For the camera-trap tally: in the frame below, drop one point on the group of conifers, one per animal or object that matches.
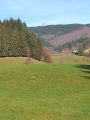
(16, 40)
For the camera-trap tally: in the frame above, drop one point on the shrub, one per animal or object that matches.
(46, 56)
(87, 52)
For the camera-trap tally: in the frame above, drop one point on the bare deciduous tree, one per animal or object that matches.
(46, 56)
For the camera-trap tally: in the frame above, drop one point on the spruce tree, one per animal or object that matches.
(15, 39)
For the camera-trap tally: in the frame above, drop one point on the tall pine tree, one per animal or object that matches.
(15, 39)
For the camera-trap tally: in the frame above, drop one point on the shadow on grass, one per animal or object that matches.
(85, 69)
(87, 77)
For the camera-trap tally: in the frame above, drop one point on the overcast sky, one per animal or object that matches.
(36, 12)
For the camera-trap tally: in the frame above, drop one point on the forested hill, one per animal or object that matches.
(55, 29)
(16, 40)
(57, 35)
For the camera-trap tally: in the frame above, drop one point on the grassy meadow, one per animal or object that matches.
(17, 61)
(44, 91)
(71, 59)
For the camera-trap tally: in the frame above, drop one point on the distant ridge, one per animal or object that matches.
(60, 34)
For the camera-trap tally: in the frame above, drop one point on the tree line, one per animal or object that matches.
(69, 45)
(56, 29)
(16, 40)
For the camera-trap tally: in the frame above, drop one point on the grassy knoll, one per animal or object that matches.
(17, 61)
(45, 92)
(73, 59)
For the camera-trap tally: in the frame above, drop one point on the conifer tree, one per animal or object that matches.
(15, 39)
(80, 49)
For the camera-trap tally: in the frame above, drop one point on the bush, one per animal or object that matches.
(46, 56)
(87, 52)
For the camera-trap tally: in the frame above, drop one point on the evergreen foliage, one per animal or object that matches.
(58, 30)
(15, 39)
(84, 41)
(46, 43)
(55, 29)
(80, 49)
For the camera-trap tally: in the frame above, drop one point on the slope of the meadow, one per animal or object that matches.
(18, 61)
(70, 59)
(45, 92)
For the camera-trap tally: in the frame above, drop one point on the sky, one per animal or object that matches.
(36, 12)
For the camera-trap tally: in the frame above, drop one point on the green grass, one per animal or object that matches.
(17, 61)
(71, 59)
(45, 92)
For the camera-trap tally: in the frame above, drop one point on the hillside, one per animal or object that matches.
(55, 29)
(17, 61)
(62, 59)
(70, 59)
(72, 36)
(61, 34)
